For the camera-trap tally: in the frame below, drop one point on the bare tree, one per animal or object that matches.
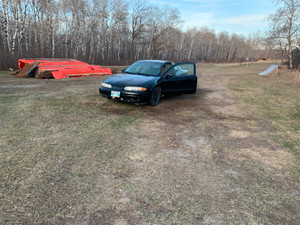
(160, 27)
(139, 17)
(6, 24)
(284, 26)
(118, 30)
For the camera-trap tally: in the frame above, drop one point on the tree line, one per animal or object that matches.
(113, 32)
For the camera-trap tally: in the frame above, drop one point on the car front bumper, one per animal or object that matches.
(126, 96)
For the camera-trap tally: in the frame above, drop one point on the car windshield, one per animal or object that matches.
(145, 68)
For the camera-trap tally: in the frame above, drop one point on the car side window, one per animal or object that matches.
(183, 70)
(179, 71)
(166, 66)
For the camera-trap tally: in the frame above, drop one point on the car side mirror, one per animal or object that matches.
(169, 76)
(123, 70)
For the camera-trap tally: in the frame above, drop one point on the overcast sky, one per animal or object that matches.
(239, 16)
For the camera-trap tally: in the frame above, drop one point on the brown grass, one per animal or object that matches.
(227, 155)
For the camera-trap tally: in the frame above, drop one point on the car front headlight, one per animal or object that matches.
(135, 89)
(105, 85)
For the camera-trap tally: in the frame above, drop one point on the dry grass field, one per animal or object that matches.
(226, 155)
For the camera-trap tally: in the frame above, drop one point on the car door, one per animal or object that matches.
(180, 78)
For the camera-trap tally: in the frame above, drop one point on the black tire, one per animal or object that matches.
(155, 96)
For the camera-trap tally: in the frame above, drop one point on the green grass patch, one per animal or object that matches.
(3, 73)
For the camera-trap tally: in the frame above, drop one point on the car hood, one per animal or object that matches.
(123, 80)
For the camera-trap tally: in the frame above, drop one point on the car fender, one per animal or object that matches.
(153, 84)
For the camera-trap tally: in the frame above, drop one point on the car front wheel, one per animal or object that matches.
(155, 96)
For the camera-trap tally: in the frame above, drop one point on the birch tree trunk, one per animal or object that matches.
(6, 25)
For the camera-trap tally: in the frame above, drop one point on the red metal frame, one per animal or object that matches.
(65, 68)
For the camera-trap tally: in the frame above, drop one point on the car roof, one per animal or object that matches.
(159, 61)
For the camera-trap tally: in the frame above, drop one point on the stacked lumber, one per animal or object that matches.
(59, 68)
(25, 68)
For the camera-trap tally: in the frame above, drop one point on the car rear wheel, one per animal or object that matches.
(155, 96)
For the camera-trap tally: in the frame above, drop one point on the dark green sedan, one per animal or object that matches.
(146, 81)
